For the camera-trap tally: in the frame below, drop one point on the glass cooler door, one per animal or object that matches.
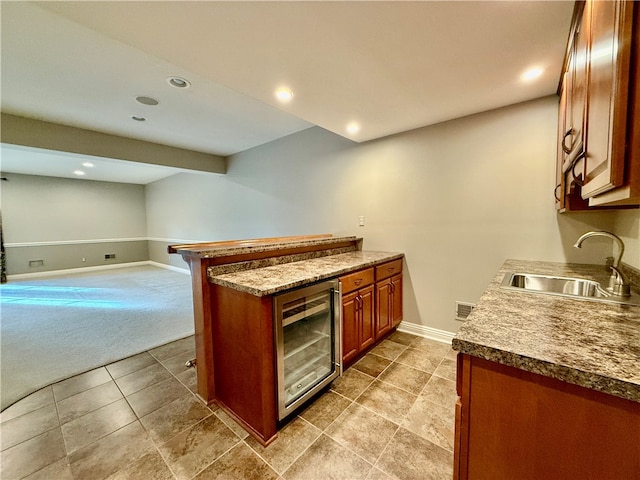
(307, 337)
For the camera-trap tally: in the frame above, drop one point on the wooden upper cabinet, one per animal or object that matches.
(608, 97)
(573, 140)
(598, 151)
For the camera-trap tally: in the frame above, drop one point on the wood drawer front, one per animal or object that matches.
(357, 280)
(388, 269)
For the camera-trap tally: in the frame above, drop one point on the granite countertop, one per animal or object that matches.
(238, 247)
(277, 278)
(592, 344)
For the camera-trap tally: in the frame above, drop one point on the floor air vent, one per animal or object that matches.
(463, 310)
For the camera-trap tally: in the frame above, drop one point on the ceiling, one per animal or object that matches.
(388, 66)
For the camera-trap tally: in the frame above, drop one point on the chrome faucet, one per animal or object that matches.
(618, 285)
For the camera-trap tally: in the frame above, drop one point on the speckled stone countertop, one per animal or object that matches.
(238, 247)
(592, 344)
(277, 278)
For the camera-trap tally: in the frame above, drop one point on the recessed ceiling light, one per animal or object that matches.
(138, 119)
(284, 94)
(147, 100)
(179, 82)
(531, 74)
(353, 128)
(79, 172)
(88, 164)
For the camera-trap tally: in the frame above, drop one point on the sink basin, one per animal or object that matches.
(561, 285)
(565, 286)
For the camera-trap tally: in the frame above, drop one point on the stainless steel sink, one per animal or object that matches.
(564, 286)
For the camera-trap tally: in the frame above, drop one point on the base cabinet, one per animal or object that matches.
(371, 307)
(515, 424)
(358, 331)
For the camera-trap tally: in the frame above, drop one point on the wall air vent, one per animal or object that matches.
(463, 310)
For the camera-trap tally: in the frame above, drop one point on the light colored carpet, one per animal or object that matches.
(55, 327)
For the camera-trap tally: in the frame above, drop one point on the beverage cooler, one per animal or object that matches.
(308, 342)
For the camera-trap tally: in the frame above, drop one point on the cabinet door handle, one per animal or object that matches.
(357, 282)
(579, 181)
(555, 192)
(566, 149)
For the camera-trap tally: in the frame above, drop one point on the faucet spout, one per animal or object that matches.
(618, 285)
(615, 238)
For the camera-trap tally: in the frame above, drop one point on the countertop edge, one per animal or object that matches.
(475, 340)
(220, 280)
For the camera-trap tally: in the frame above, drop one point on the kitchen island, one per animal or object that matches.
(548, 386)
(234, 284)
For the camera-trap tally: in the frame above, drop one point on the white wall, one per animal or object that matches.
(67, 223)
(457, 198)
(627, 226)
(43, 209)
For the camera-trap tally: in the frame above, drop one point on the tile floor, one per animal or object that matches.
(390, 416)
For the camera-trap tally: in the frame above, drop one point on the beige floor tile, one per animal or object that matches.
(185, 346)
(405, 377)
(429, 345)
(441, 391)
(197, 447)
(239, 463)
(326, 458)
(173, 418)
(158, 395)
(130, 364)
(80, 383)
(352, 383)
(101, 422)
(32, 402)
(189, 379)
(431, 421)
(372, 365)
(446, 369)
(176, 364)
(387, 400)
(148, 467)
(292, 440)
(362, 431)
(402, 337)
(29, 425)
(100, 459)
(231, 423)
(376, 474)
(325, 409)
(420, 359)
(82, 403)
(59, 470)
(143, 378)
(411, 457)
(389, 349)
(32, 455)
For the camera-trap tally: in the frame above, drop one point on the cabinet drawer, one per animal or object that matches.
(388, 269)
(356, 280)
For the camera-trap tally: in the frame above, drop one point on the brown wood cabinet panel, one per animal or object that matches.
(244, 358)
(356, 280)
(598, 152)
(350, 327)
(388, 304)
(517, 424)
(367, 322)
(388, 269)
(384, 320)
(609, 63)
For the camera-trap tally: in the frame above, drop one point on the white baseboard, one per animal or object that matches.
(427, 332)
(170, 267)
(53, 273)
